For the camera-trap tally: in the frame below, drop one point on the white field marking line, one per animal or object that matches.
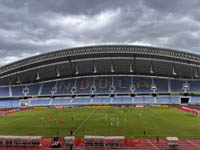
(163, 118)
(153, 145)
(193, 143)
(84, 121)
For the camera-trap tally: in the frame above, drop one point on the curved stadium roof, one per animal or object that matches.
(102, 60)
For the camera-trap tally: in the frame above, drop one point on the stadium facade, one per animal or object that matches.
(109, 74)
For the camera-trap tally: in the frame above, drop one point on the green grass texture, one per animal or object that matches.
(128, 122)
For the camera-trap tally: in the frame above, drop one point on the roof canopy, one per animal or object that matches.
(102, 60)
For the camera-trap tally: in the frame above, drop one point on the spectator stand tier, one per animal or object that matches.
(48, 88)
(4, 91)
(122, 99)
(195, 100)
(103, 85)
(61, 101)
(8, 103)
(101, 100)
(81, 100)
(18, 90)
(142, 84)
(161, 85)
(39, 101)
(122, 84)
(64, 87)
(177, 86)
(83, 85)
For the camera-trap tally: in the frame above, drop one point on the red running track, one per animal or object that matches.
(131, 144)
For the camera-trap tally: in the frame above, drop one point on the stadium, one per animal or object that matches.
(102, 96)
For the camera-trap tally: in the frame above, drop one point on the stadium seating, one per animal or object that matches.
(144, 99)
(33, 90)
(194, 86)
(48, 87)
(168, 99)
(9, 103)
(122, 84)
(103, 84)
(18, 90)
(65, 87)
(149, 99)
(139, 99)
(83, 85)
(163, 99)
(122, 99)
(101, 100)
(161, 85)
(174, 100)
(195, 100)
(61, 101)
(4, 91)
(177, 86)
(142, 84)
(81, 100)
(39, 101)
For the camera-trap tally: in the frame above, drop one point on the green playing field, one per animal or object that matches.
(129, 122)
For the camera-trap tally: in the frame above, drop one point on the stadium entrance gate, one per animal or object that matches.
(185, 100)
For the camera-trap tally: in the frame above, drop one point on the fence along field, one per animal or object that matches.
(128, 122)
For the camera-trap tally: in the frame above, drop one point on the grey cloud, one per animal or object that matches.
(33, 27)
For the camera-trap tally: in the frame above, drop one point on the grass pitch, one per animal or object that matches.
(129, 122)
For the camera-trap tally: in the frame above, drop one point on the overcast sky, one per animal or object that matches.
(32, 27)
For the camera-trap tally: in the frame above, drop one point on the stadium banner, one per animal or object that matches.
(139, 106)
(98, 106)
(40, 107)
(11, 110)
(59, 107)
(162, 106)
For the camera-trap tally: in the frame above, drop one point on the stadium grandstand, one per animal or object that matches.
(156, 91)
(98, 75)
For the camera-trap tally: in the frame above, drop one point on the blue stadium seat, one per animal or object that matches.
(17, 90)
(161, 85)
(4, 91)
(149, 99)
(65, 86)
(101, 100)
(194, 86)
(177, 86)
(174, 100)
(142, 84)
(139, 99)
(61, 101)
(83, 85)
(195, 100)
(122, 99)
(103, 84)
(9, 103)
(122, 84)
(47, 88)
(39, 101)
(163, 99)
(33, 89)
(81, 100)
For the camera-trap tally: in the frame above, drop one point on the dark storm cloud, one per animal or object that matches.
(33, 27)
